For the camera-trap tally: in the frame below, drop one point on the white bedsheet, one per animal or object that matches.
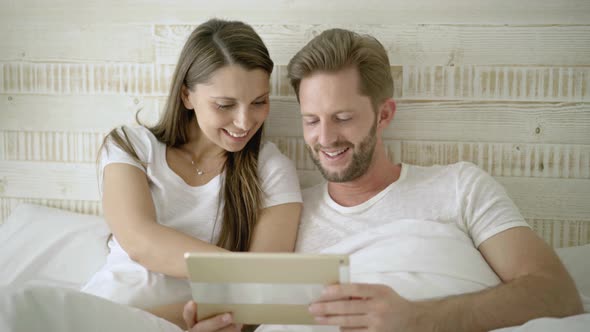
(55, 309)
(52, 307)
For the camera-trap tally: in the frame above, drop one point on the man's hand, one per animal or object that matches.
(219, 323)
(366, 307)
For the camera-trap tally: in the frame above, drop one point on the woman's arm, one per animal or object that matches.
(276, 230)
(131, 216)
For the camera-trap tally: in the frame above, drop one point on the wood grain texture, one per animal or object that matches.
(301, 11)
(565, 161)
(88, 42)
(446, 45)
(74, 113)
(562, 233)
(496, 83)
(85, 78)
(53, 146)
(471, 121)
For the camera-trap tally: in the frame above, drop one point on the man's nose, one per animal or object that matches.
(327, 134)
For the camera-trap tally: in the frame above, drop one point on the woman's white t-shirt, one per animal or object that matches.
(192, 210)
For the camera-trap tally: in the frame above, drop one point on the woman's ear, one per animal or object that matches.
(184, 93)
(386, 112)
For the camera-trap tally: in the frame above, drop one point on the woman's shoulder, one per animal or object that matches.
(140, 138)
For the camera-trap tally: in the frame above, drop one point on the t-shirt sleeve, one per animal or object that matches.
(112, 153)
(486, 208)
(278, 177)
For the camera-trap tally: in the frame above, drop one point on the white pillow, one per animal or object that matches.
(577, 262)
(50, 245)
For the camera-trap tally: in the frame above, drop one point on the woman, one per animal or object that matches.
(200, 179)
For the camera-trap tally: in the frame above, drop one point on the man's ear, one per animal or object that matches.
(184, 92)
(386, 112)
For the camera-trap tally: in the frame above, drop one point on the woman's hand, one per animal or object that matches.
(220, 323)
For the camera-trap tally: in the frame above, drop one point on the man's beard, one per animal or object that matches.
(361, 159)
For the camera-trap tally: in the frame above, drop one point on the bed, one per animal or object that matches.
(48, 254)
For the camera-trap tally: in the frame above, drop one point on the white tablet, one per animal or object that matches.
(262, 288)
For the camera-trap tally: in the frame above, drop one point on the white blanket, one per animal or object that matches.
(420, 260)
(45, 308)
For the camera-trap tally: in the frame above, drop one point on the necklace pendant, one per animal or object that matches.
(199, 172)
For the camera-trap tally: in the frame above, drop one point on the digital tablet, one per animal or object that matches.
(262, 288)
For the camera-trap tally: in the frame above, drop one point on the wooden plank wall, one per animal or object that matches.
(504, 84)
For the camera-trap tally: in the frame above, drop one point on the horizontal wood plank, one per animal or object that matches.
(88, 42)
(562, 233)
(56, 181)
(95, 114)
(302, 11)
(53, 146)
(518, 83)
(498, 159)
(470, 121)
(85, 78)
(446, 45)
(498, 122)
(522, 83)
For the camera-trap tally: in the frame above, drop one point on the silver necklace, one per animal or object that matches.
(199, 171)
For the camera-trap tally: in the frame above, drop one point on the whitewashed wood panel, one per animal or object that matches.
(412, 82)
(46, 180)
(497, 159)
(89, 42)
(74, 113)
(504, 159)
(118, 79)
(85, 78)
(564, 233)
(471, 121)
(50, 146)
(447, 45)
(85, 207)
(302, 11)
(558, 199)
(497, 83)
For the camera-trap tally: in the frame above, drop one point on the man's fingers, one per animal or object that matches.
(350, 291)
(348, 321)
(346, 307)
(189, 314)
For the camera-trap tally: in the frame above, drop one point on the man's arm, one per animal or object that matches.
(535, 284)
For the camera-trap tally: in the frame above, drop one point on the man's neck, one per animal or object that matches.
(378, 176)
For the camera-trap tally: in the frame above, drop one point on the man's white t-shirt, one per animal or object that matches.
(434, 215)
(460, 194)
(191, 210)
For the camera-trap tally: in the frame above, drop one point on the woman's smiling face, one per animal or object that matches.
(231, 106)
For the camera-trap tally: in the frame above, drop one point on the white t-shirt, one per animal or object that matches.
(455, 207)
(460, 194)
(191, 210)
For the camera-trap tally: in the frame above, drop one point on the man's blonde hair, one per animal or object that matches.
(337, 49)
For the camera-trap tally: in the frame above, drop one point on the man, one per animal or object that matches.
(465, 259)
